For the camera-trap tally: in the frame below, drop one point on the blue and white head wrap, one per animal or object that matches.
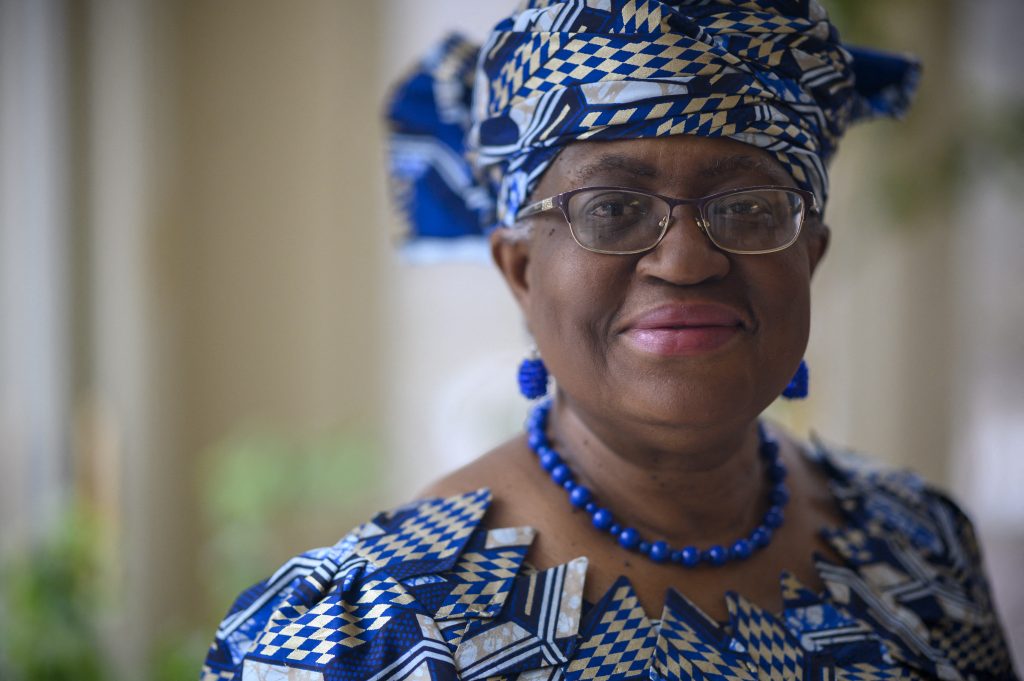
(474, 130)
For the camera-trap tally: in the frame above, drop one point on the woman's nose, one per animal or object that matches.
(685, 255)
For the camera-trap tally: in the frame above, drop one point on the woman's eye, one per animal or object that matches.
(615, 207)
(608, 209)
(747, 207)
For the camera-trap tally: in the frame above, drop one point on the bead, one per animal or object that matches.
(561, 473)
(536, 440)
(761, 537)
(549, 460)
(770, 449)
(773, 518)
(601, 518)
(579, 497)
(569, 485)
(776, 472)
(659, 551)
(644, 547)
(629, 538)
(779, 495)
(590, 507)
(689, 556)
(676, 557)
(716, 555)
(615, 529)
(740, 549)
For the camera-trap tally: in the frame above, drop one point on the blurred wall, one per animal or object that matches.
(233, 175)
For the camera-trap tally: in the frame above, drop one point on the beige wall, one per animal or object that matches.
(280, 167)
(233, 182)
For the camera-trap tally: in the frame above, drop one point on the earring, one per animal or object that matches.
(797, 388)
(533, 376)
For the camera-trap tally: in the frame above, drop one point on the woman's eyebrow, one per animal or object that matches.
(730, 165)
(719, 168)
(615, 163)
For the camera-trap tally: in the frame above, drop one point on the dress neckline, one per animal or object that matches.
(890, 535)
(840, 468)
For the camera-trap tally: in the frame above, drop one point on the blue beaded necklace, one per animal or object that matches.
(628, 537)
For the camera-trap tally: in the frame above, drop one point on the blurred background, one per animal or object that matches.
(212, 358)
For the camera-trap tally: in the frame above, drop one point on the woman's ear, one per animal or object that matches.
(820, 239)
(511, 253)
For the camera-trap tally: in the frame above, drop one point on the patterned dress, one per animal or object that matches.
(428, 593)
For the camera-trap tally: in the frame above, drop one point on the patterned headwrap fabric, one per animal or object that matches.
(771, 73)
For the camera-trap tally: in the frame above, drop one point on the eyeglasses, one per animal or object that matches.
(622, 221)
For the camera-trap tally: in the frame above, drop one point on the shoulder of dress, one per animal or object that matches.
(911, 555)
(416, 538)
(897, 505)
(898, 508)
(418, 569)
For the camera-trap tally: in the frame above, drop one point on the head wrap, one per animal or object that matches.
(473, 131)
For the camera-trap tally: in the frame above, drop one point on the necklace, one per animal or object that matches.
(628, 537)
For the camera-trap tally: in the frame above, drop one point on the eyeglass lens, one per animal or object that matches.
(623, 221)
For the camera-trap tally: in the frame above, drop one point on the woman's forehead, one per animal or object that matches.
(676, 158)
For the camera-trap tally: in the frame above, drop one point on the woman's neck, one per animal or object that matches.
(684, 485)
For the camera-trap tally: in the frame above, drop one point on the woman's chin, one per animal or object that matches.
(689, 402)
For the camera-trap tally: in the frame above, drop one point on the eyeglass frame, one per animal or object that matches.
(561, 201)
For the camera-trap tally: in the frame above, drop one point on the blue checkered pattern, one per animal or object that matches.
(771, 646)
(482, 582)
(428, 538)
(691, 646)
(317, 635)
(428, 593)
(771, 73)
(618, 639)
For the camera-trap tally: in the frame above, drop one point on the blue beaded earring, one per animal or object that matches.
(797, 388)
(533, 376)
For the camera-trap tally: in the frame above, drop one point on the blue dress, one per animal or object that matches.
(428, 593)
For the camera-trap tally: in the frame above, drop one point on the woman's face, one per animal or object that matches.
(683, 334)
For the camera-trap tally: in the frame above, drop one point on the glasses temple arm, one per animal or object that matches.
(539, 207)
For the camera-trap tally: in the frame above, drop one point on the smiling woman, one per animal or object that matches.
(653, 180)
(602, 321)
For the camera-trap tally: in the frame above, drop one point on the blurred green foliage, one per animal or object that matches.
(264, 496)
(49, 601)
(929, 161)
(268, 497)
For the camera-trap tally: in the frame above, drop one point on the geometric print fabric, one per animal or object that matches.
(430, 593)
(617, 638)
(479, 583)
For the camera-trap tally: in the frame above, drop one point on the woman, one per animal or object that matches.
(659, 174)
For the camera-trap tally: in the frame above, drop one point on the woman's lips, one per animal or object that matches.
(687, 329)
